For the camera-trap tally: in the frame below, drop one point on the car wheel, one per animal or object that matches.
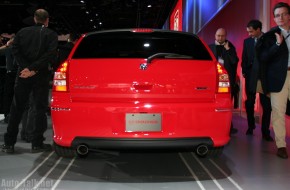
(64, 151)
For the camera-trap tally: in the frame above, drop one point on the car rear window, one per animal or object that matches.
(127, 44)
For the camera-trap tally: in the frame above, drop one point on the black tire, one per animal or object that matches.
(215, 151)
(64, 151)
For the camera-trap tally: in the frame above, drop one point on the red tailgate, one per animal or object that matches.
(165, 80)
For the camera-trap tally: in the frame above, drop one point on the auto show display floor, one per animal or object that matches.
(247, 163)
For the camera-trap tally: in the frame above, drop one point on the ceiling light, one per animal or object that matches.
(146, 45)
(82, 1)
(149, 6)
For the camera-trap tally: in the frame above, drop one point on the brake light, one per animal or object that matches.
(223, 80)
(142, 30)
(60, 78)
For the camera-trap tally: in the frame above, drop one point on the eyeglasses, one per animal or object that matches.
(280, 15)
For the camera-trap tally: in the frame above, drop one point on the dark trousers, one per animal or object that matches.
(266, 116)
(8, 91)
(38, 86)
(28, 121)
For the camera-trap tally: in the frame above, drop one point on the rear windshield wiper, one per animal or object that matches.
(144, 66)
(168, 56)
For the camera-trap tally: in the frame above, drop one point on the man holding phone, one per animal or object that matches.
(226, 54)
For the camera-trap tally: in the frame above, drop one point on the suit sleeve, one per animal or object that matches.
(267, 48)
(232, 55)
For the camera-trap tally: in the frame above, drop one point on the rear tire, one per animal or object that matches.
(66, 152)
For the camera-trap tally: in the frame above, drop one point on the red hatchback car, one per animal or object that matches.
(140, 88)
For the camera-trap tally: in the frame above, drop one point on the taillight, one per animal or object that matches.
(223, 80)
(60, 78)
(142, 30)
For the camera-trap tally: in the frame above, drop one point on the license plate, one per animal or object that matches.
(143, 122)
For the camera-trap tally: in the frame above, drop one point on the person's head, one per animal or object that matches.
(281, 14)
(41, 16)
(254, 28)
(221, 35)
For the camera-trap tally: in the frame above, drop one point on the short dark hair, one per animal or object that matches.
(255, 24)
(41, 15)
(280, 5)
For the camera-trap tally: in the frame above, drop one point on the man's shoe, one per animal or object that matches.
(7, 148)
(249, 131)
(282, 153)
(268, 138)
(41, 148)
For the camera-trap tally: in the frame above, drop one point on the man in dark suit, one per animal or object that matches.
(250, 70)
(273, 53)
(226, 54)
(34, 49)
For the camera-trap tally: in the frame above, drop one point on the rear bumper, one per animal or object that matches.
(110, 143)
(104, 125)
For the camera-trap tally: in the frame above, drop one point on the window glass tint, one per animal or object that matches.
(128, 44)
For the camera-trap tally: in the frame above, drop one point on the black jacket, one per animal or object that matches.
(248, 56)
(273, 61)
(35, 47)
(250, 65)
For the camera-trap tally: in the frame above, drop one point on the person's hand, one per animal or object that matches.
(227, 46)
(279, 38)
(9, 42)
(25, 73)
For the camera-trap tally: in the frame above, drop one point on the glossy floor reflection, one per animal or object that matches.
(247, 163)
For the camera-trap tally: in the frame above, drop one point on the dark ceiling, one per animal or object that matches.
(89, 15)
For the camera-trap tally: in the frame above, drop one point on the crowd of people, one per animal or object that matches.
(265, 65)
(266, 69)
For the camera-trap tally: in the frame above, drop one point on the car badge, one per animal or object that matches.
(143, 66)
